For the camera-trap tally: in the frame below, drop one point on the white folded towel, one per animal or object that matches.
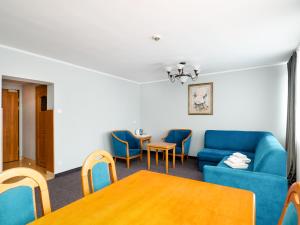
(242, 157)
(236, 165)
(235, 159)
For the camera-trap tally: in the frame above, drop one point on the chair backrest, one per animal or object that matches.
(177, 136)
(291, 211)
(233, 140)
(17, 195)
(126, 135)
(121, 134)
(270, 156)
(98, 171)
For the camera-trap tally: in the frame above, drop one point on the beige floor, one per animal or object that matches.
(29, 163)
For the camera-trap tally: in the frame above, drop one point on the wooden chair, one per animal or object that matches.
(291, 211)
(98, 171)
(17, 195)
(126, 146)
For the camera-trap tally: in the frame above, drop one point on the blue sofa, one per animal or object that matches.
(182, 138)
(265, 177)
(126, 146)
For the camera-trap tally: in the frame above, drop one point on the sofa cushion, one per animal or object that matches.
(133, 152)
(216, 155)
(202, 163)
(178, 151)
(245, 141)
(222, 164)
(270, 156)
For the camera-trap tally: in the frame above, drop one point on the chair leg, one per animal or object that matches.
(141, 156)
(182, 159)
(128, 162)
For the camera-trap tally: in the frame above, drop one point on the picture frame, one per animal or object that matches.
(200, 99)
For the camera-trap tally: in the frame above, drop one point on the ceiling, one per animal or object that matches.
(115, 36)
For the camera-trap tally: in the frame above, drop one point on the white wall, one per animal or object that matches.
(29, 121)
(50, 96)
(244, 100)
(88, 104)
(17, 86)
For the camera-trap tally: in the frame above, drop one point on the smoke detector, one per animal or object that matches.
(156, 37)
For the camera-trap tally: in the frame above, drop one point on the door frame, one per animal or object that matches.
(24, 79)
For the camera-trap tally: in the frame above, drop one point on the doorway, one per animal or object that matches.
(28, 126)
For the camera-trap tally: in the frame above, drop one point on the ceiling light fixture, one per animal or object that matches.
(181, 75)
(156, 37)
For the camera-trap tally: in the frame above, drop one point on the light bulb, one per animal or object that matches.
(180, 66)
(197, 67)
(183, 79)
(168, 68)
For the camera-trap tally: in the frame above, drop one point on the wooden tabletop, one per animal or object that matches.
(161, 145)
(143, 136)
(148, 198)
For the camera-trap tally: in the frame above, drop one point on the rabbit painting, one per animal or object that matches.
(200, 99)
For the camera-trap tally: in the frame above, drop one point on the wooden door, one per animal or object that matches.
(10, 105)
(44, 130)
(40, 93)
(45, 143)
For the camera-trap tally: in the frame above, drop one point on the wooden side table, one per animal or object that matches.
(161, 146)
(143, 138)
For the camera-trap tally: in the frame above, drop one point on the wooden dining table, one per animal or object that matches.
(149, 198)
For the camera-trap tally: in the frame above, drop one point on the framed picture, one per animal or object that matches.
(200, 99)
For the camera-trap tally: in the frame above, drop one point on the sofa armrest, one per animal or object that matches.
(270, 190)
(137, 142)
(121, 147)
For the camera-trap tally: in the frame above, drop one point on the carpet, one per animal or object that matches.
(66, 188)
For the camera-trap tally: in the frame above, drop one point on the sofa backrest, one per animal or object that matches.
(245, 141)
(177, 136)
(270, 156)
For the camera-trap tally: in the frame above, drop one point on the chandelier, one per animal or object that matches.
(180, 75)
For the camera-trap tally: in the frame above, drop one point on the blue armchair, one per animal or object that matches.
(126, 146)
(182, 138)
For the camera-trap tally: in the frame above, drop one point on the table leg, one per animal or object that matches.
(142, 149)
(141, 144)
(167, 162)
(156, 157)
(174, 157)
(148, 157)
